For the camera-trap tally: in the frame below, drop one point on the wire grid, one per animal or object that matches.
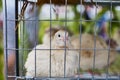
(19, 69)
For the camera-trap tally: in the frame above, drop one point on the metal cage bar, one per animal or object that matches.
(17, 38)
(100, 2)
(50, 39)
(5, 38)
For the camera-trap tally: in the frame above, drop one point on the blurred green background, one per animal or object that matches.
(1, 48)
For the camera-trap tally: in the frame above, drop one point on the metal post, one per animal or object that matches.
(5, 38)
(16, 38)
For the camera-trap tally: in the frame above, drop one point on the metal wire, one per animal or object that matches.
(109, 49)
(98, 49)
(50, 37)
(65, 37)
(95, 34)
(80, 36)
(104, 2)
(66, 78)
(64, 20)
(35, 43)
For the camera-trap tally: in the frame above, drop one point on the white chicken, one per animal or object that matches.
(49, 32)
(53, 59)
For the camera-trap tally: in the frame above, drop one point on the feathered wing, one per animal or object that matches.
(87, 53)
(101, 60)
(38, 61)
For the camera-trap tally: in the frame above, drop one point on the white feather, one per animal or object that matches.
(41, 62)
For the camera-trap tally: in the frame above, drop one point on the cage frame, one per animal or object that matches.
(102, 2)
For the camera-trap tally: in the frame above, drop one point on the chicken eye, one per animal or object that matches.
(58, 35)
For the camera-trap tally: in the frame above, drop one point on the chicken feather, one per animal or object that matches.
(41, 62)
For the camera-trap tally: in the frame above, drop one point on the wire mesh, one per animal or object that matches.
(24, 44)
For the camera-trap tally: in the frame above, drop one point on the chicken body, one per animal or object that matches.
(117, 38)
(53, 59)
(92, 48)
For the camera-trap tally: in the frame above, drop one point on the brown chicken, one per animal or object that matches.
(91, 47)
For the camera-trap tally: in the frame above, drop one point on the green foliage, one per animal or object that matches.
(1, 67)
(1, 56)
(43, 25)
(1, 3)
(115, 25)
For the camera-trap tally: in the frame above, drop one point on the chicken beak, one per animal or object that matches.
(65, 39)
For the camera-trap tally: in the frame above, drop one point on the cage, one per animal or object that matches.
(93, 22)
